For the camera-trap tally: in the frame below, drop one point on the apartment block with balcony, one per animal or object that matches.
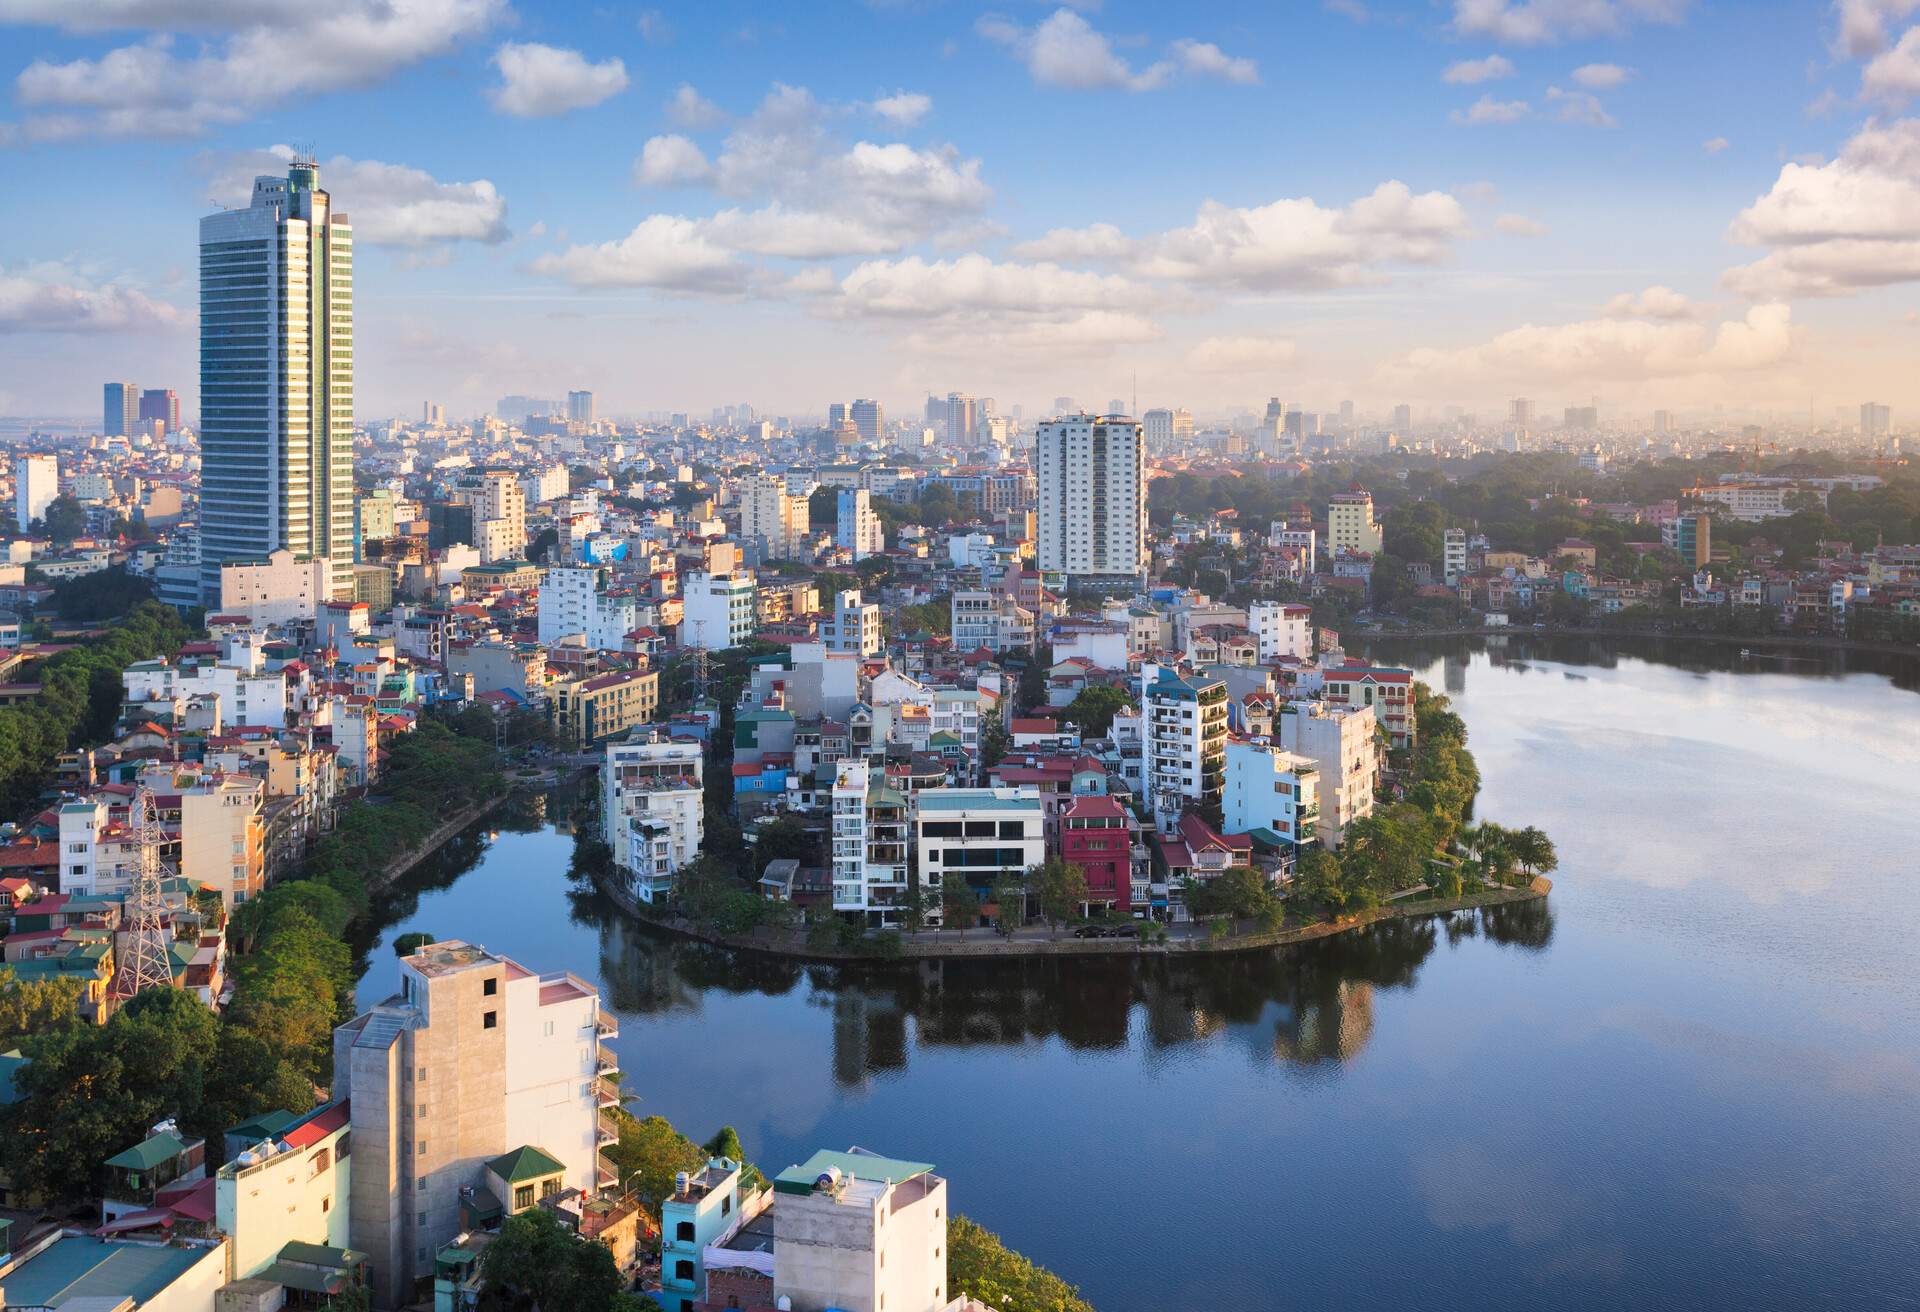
(1268, 787)
(977, 834)
(703, 1205)
(652, 810)
(868, 855)
(1343, 744)
(1185, 742)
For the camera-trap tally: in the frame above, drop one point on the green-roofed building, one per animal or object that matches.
(256, 1130)
(521, 1178)
(134, 1175)
(85, 1271)
(830, 1214)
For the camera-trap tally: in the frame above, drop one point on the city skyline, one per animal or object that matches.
(1429, 205)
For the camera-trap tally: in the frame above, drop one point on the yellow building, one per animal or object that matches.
(1351, 526)
(588, 711)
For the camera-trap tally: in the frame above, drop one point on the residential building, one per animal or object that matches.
(588, 711)
(223, 836)
(1092, 514)
(869, 420)
(580, 407)
(120, 410)
(1184, 749)
(499, 514)
(703, 1205)
(1270, 788)
(475, 1057)
(869, 845)
(858, 529)
(36, 482)
(1284, 632)
(977, 834)
(989, 620)
(858, 1232)
(1875, 420)
(1300, 539)
(1690, 535)
(1351, 526)
(652, 810)
(1453, 556)
(59, 1268)
(1343, 744)
(276, 380)
(575, 601)
(1167, 429)
(1100, 836)
(855, 626)
(280, 589)
(1389, 691)
(293, 1186)
(1753, 502)
(160, 405)
(718, 609)
(777, 519)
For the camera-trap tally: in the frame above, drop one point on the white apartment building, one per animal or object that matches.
(990, 620)
(1167, 428)
(1283, 631)
(1351, 526)
(976, 834)
(1271, 788)
(1184, 750)
(294, 1187)
(779, 519)
(855, 626)
(717, 609)
(1303, 538)
(869, 845)
(1753, 502)
(547, 484)
(1453, 556)
(97, 855)
(247, 695)
(652, 810)
(36, 482)
(475, 1057)
(959, 711)
(857, 529)
(1092, 511)
(278, 590)
(499, 514)
(574, 601)
(858, 1232)
(1343, 744)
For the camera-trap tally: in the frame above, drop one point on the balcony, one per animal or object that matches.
(604, 1062)
(606, 1094)
(606, 1026)
(603, 1173)
(608, 1135)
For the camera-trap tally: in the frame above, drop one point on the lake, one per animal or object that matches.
(1688, 1079)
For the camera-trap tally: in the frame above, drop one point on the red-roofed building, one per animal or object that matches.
(1097, 834)
(1389, 691)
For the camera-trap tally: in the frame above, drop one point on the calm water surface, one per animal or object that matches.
(1690, 1079)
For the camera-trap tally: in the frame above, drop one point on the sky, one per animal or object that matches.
(1704, 205)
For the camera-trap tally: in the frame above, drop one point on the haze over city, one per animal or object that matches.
(1651, 203)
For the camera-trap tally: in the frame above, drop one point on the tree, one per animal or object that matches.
(30, 1007)
(726, 1143)
(1009, 898)
(958, 904)
(1241, 893)
(786, 838)
(65, 520)
(1060, 888)
(408, 944)
(1534, 851)
(537, 1264)
(980, 1266)
(1093, 710)
(650, 1153)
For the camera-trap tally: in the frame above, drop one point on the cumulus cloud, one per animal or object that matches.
(390, 204)
(670, 160)
(1601, 77)
(693, 111)
(1519, 225)
(1099, 241)
(1548, 22)
(1714, 145)
(903, 108)
(1837, 227)
(52, 298)
(260, 54)
(1894, 74)
(1065, 50)
(664, 251)
(1487, 110)
(539, 81)
(1579, 107)
(1655, 302)
(1608, 350)
(1249, 354)
(914, 287)
(1862, 27)
(1470, 72)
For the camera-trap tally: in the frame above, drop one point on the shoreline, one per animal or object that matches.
(433, 842)
(1792, 641)
(791, 944)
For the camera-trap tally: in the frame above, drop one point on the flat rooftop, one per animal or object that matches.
(756, 1236)
(77, 1267)
(450, 956)
(855, 1164)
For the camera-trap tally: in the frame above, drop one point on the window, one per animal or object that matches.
(523, 1197)
(490, 1021)
(684, 1231)
(490, 986)
(683, 1270)
(726, 1204)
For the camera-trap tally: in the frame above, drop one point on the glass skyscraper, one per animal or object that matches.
(276, 380)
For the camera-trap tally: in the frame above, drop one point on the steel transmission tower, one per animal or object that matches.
(149, 963)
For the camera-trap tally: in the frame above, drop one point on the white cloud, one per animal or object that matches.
(1519, 225)
(390, 204)
(1548, 22)
(973, 284)
(795, 234)
(1487, 110)
(1714, 145)
(1608, 350)
(1065, 50)
(1354, 9)
(1579, 107)
(1471, 72)
(653, 27)
(265, 53)
(1251, 354)
(903, 108)
(539, 81)
(691, 110)
(1099, 241)
(52, 298)
(1837, 227)
(1655, 302)
(1894, 75)
(670, 160)
(1205, 59)
(1862, 27)
(664, 251)
(1601, 77)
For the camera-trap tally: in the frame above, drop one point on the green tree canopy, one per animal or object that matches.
(537, 1264)
(980, 1266)
(1093, 710)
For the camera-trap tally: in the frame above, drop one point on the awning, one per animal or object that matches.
(305, 1278)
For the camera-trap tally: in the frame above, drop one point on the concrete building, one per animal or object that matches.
(1100, 836)
(61, 1268)
(777, 519)
(575, 602)
(588, 711)
(990, 620)
(717, 609)
(1351, 526)
(1691, 536)
(857, 528)
(1389, 691)
(120, 410)
(1453, 556)
(869, 845)
(36, 482)
(855, 626)
(293, 1187)
(703, 1205)
(580, 407)
(1283, 631)
(652, 810)
(1165, 429)
(869, 420)
(1092, 513)
(1343, 744)
(475, 1057)
(977, 834)
(160, 405)
(1185, 743)
(276, 380)
(223, 836)
(1270, 788)
(499, 514)
(281, 589)
(858, 1232)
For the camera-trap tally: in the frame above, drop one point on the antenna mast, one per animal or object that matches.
(149, 963)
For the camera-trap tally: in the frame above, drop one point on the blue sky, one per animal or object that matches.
(1679, 203)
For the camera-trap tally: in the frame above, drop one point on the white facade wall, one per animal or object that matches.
(278, 590)
(1092, 512)
(1283, 631)
(718, 610)
(1269, 787)
(36, 482)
